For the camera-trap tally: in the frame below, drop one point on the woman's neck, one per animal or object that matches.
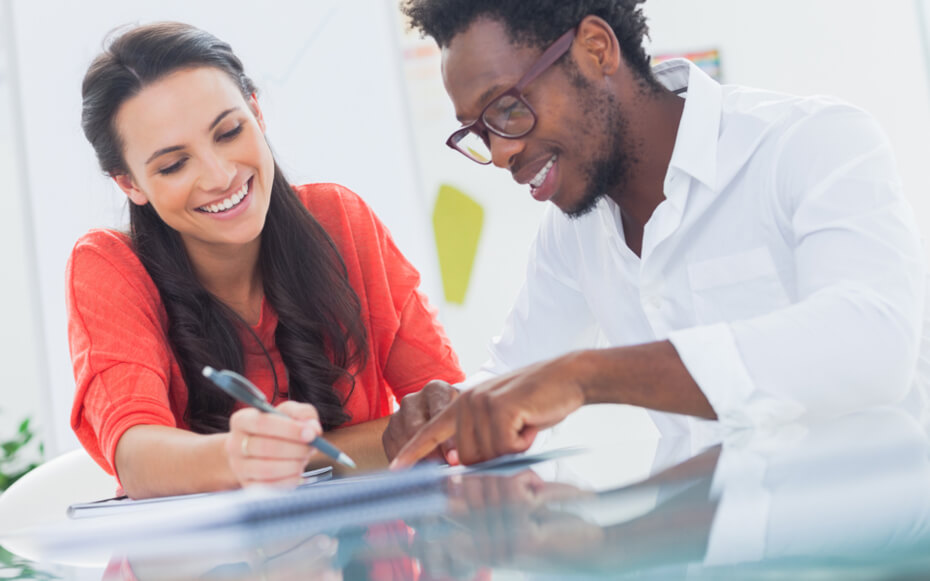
(232, 276)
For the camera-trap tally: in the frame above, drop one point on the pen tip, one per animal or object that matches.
(208, 371)
(344, 458)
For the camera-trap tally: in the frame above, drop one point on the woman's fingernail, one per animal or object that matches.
(311, 430)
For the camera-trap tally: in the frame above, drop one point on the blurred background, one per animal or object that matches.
(352, 97)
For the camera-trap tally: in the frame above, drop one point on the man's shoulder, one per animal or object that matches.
(815, 132)
(777, 109)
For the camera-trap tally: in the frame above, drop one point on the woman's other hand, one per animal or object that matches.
(416, 409)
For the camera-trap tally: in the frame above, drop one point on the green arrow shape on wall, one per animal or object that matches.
(457, 222)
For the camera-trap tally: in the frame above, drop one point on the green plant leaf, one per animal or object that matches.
(10, 448)
(14, 460)
(13, 567)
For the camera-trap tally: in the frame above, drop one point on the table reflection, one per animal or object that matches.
(835, 499)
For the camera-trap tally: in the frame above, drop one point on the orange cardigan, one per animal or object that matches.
(126, 371)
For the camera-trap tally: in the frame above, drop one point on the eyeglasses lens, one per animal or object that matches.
(472, 145)
(509, 116)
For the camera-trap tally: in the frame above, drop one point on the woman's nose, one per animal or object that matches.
(218, 172)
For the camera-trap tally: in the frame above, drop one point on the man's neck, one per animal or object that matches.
(654, 121)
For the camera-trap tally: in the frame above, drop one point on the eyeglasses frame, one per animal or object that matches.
(548, 58)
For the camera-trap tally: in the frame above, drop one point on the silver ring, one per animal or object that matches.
(244, 446)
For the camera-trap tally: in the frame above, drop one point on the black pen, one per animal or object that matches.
(245, 391)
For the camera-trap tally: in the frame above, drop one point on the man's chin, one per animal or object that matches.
(581, 207)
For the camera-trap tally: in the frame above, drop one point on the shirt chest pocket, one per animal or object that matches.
(736, 286)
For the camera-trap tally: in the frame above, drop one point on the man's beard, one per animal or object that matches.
(611, 171)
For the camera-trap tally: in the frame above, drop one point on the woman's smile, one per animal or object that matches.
(230, 206)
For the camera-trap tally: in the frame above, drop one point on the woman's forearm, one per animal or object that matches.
(162, 461)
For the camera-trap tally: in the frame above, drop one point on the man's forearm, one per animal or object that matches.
(650, 375)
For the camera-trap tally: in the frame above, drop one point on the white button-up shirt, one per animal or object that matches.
(784, 264)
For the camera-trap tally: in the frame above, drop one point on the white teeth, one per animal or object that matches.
(541, 176)
(229, 202)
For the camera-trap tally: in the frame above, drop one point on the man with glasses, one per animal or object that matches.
(748, 256)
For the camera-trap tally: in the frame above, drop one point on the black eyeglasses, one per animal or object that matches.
(508, 115)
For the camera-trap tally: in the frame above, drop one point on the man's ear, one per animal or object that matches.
(257, 111)
(596, 47)
(126, 183)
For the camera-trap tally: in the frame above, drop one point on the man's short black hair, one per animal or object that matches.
(536, 23)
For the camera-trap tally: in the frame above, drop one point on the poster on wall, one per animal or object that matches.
(707, 60)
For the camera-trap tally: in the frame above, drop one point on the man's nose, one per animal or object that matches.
(504, 150)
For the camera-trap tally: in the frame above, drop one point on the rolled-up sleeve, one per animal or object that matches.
(116, 336)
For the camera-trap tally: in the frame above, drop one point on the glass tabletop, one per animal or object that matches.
(841, 499)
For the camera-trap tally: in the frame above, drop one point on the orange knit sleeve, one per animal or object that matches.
(117, 333)
(420, 350)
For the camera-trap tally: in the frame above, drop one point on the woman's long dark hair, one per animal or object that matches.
(320, 333)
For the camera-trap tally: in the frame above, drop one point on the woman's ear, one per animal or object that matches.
(135, 195)
(257, 111)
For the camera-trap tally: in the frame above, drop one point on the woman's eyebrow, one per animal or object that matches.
(169, 149)
(220, 117)
(162, 151)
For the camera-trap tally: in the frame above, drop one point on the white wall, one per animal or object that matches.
(20, 331)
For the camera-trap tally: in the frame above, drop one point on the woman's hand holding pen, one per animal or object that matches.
(271, 449)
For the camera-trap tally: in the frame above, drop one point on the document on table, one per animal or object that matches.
(521, 461)
(231, 517)
(354, 485)
(325, 505)
(124, 504)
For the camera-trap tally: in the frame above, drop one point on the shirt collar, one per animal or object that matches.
(695, 151)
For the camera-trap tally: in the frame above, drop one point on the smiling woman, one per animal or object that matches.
(226, 264)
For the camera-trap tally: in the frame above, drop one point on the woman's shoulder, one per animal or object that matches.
(340, 211)
(111, 246)
(105, 258)
(104, 239)
(105, 243)
(323, 198)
